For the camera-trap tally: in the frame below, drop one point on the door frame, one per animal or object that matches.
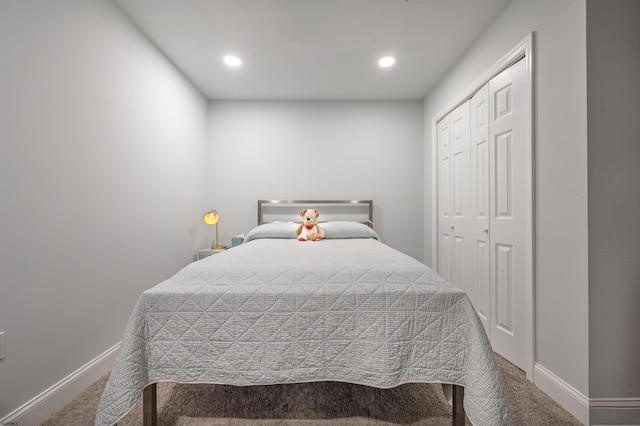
(521, 51)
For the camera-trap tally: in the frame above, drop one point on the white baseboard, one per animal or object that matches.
(618, 411)
(590, 411)
(43, 405)
(563, 393)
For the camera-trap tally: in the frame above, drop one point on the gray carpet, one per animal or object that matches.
(321, 404)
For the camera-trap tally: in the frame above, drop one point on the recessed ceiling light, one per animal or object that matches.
(232, 61)
(387, 61)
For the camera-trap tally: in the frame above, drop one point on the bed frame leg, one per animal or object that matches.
(458, 406)
(149, 408)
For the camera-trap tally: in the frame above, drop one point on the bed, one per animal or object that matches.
(276, 310)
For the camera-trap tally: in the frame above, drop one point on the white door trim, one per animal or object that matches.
(524, 49)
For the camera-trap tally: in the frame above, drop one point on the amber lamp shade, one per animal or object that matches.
(211, 218)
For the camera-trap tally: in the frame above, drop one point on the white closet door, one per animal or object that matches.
(508, 203)
(485, 207)
(460, 196)
(479, 283)
(444, 198)
(453, 193)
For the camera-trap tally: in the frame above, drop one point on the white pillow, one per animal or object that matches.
(345, 229)
(273, 230)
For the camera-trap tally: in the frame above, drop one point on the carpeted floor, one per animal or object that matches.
(315, 404)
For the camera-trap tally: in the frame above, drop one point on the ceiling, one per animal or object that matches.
(314, 49)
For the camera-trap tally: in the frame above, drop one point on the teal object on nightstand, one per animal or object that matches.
(236, 241)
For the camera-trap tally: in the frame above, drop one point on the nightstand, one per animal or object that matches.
(205, 252)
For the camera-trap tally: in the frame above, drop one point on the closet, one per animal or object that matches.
(484, 214)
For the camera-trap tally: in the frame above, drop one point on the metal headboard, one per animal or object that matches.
(330, 210)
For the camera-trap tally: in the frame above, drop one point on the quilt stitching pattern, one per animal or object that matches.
(382, 321)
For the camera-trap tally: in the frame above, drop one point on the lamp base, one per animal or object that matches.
(218, 247)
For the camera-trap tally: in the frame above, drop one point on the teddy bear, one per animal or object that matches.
(309, 228)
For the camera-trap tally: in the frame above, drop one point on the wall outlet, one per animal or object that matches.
(1, 345)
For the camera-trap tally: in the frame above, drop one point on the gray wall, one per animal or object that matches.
(101, 184)
(560, 168)
(613, 52)
(319, 150)
(97, 128)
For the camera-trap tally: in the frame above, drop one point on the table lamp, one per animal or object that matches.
(211, 218)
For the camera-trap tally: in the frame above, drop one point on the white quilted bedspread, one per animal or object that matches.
(283, 311)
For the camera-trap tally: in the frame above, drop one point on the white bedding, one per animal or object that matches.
(283, 311)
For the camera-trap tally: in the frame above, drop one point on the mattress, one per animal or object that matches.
(277, 310)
